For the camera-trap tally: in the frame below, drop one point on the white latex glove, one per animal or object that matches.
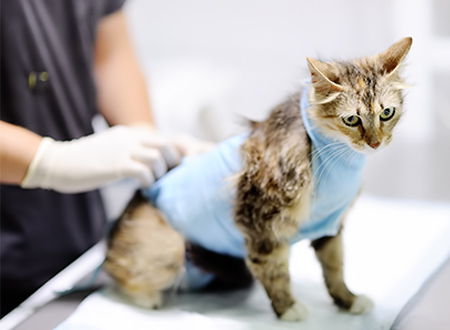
(191, 146)
(93, 161)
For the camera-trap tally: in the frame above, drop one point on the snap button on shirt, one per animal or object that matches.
(38, 81)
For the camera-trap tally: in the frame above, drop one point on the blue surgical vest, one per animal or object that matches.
(197, 196)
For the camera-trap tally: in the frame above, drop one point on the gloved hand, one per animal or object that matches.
(191, 146)
(93, 161)
(186, 144)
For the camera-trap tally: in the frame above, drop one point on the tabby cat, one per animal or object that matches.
(230, 214)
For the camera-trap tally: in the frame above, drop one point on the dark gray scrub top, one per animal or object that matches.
(47, 86)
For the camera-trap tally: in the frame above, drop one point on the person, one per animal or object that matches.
(63, 62)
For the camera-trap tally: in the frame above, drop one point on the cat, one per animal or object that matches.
(230, 215)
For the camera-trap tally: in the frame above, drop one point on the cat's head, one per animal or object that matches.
(359, 102)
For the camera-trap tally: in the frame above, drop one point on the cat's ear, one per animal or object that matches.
(322, 77)
(394, 55)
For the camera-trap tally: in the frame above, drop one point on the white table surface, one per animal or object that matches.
(392, 248)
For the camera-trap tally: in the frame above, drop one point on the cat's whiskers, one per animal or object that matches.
(330, 162)
(355, 154)
(317, 153)
(335, 159)
(344, 159)
(336, 154)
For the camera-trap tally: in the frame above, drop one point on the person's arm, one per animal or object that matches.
(83, 164)
(17, 148)
(122, 93)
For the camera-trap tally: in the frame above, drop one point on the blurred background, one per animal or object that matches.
(209, 64)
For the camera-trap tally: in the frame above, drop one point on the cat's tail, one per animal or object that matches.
(230, 272)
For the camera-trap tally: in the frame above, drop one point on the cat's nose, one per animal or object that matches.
(374, 145)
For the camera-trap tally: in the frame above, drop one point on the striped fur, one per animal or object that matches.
(274, 190)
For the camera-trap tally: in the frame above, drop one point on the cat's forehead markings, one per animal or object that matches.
(370, 82)
(361, 83)
(368, 100)
(368, 91)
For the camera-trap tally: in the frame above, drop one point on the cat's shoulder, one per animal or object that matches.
(279, 146)
(286, 117)
(277, 155)
(282, 129)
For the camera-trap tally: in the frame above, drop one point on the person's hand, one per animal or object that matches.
(186, 144)
(93, 161)
(191, 146)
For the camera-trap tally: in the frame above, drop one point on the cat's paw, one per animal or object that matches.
(151, 301)
(296, 312)
(361, 305)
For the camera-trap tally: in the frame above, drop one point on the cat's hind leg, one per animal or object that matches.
(145, 255)
(329, 252)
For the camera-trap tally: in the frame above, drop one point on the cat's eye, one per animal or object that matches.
(387, 114)
(351, 120)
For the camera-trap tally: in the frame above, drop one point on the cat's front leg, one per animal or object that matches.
(329, 251)
(268, 261)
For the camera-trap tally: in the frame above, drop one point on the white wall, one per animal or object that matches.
(210, 62)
